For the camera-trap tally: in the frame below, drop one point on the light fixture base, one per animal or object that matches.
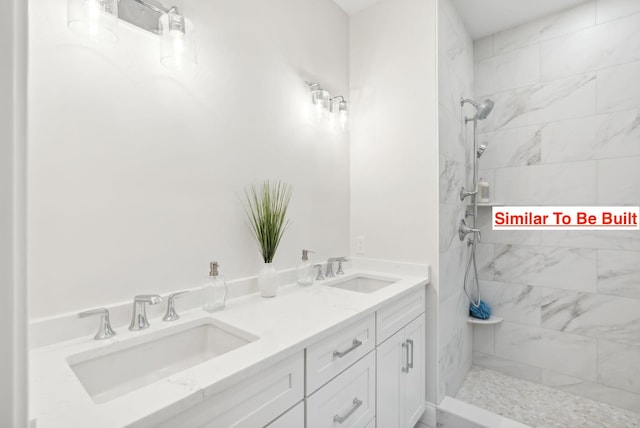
(143, 14)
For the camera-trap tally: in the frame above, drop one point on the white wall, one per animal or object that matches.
(135, 173)
(394, 167)
(564, 131)
(13, 358)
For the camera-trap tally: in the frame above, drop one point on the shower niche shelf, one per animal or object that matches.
(492, 320)
(487, 204)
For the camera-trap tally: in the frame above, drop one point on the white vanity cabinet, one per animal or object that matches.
(254, 402)
(401, 377)
(348, 400)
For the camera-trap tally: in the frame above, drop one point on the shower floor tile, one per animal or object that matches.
(539, 406)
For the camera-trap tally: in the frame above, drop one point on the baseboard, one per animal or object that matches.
(428, 419)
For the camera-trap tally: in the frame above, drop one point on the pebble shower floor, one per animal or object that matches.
(539, 406)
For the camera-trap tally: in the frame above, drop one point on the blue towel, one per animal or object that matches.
(482, 311)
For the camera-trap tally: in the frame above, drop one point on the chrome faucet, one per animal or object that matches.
(319, 276)
(139, 319)
(329, 273)
(105, 331)
(171, 314)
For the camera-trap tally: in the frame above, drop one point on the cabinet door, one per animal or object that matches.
(391, 357)
(294, 418)
(348, 401)
(414, 379)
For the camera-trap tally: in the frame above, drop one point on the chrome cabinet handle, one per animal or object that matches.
(409, 364)
(356, 404)
(354, 345)
(405, 369)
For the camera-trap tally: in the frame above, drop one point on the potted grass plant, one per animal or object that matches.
(266, 209)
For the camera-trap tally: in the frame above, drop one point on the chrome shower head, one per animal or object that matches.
(482, 148)
(482, 110)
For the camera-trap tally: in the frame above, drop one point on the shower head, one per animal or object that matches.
(482, 109)
(482, 148)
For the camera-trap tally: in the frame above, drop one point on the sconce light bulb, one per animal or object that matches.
(96, 19)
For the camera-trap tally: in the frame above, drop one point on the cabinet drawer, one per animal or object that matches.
(254, 402)
(294, 418)
(393, 317)
(348, 401)
(329, 357)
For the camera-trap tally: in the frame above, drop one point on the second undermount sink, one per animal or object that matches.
(132, 364)
(363, 283)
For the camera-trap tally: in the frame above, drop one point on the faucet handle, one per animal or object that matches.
(319, 276)
(340, 271)
(104, 331)
(171, 314)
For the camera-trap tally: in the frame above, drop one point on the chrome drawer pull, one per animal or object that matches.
(410, 364)
(355, 344)
(405, 369)
(356, 404)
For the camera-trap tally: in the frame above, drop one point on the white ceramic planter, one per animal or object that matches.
(268, 280)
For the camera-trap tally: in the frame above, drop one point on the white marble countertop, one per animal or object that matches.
(285, 325)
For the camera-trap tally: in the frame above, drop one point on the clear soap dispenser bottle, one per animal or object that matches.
(214, 290)
(483, 191)
(305, 269)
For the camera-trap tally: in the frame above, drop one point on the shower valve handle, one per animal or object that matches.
(464, 193)
(464, 230)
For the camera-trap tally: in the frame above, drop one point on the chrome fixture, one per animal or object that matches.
(324, 107)
(340, 271)
(339, 113)
(341, 418)
(104, 331)
(482, 112)
(139, 319)
(482, 109)
(99, 18)
(464, 193)
(320, 102)
(329, 273)
(481, 149)
(171, 314)
(464, 230)
(319, 276)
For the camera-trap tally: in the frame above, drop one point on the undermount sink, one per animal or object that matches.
(129, 365)
(363, 283)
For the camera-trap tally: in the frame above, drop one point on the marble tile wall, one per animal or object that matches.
(455, 79)
(565, 130)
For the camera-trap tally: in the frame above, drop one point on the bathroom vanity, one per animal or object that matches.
(343, 352)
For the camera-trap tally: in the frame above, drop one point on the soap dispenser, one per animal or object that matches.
(305, 269)
(483, 191)
(214, 290)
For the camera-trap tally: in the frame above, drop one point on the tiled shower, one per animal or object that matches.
(565, 130)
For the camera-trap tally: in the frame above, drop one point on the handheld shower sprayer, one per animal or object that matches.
(482, 148)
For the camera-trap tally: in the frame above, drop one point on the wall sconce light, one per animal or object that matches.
(320, 102)
(177, 45)
(177, 41)
(339, 113)
(97, 19)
